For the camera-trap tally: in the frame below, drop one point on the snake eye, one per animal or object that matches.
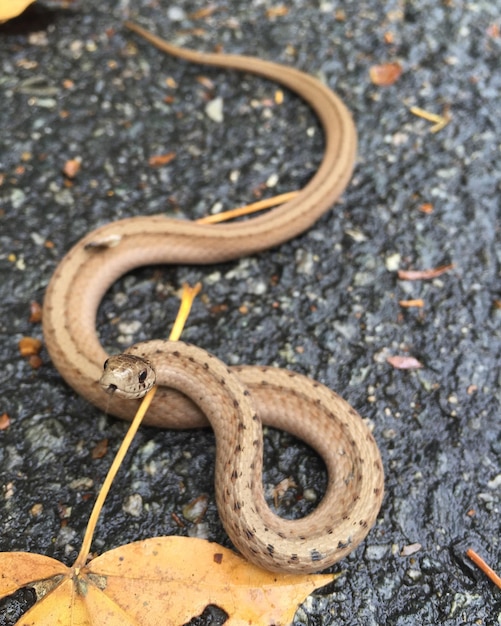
(142, 376)
(105, 364)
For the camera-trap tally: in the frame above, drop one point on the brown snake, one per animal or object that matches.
(196, 387)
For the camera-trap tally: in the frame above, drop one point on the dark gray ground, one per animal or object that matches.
(325, 304)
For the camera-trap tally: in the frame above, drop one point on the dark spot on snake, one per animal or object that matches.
(237, 506)
(222, 381)
(246, 392)
(206, 366)
(191, 359)
(345, 517)
(315, 555)
(281, 535)
(249, 534)
(291, 374)
(377, 491)
(255, 443)
(294, 558)
(241, 426)
(271, 549)
(352, 411)
(176, 353)
(236, 403)
(363, 523)
(341, 545)
(238, 449)
(253, 465)
(329, 531)
(234, 475)
(355, 498)
(315, 385)
(255, 417)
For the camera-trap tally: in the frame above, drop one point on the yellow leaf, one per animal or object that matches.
(12, 8)
(156, 581)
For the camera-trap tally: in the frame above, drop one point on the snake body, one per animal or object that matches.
(196, 387)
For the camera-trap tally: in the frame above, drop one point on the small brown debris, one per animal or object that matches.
(100, 449)
(4, 421)
(278, 11)
(280, 489)
(36, 509)
(178, 520)
(35, 312)
(386, 74)
(424, 274)
(426, 207)
(412, 548)
(35, 361)
(472, 389)
(29, 346)
(205, 82)
(404, 362)
(72, 167)
(202, 13)
(195, 510)
(407, 304)
(161, 159)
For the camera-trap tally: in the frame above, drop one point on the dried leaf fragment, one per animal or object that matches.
(161, 159)
(12, 8)
(424, 274)
(386, 74)
(164, 580)
(404, 362)
(29, 346)
(4, 421)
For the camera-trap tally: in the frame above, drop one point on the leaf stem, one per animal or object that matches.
(188, 295)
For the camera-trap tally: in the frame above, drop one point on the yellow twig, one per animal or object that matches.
(439, 121)
(267, 203)
(187, 297)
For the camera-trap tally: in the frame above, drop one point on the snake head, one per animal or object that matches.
(127, 376)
